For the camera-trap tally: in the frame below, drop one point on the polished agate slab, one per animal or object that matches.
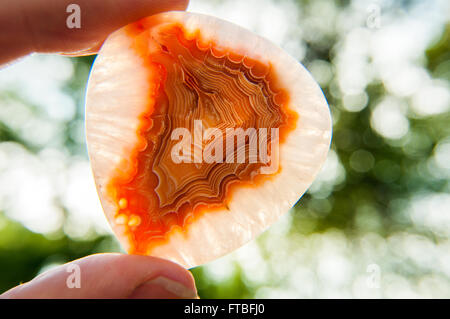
(201, 134)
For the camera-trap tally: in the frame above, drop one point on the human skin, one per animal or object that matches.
(39, 26)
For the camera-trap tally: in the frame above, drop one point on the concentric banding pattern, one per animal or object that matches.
(198, 87)
(123, 88)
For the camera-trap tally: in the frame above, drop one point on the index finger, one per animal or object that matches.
(41, 25)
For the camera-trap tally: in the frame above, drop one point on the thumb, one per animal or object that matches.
(110, 276)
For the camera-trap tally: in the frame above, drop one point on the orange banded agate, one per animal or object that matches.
(190, 79)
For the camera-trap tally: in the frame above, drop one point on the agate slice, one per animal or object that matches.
(201, 134)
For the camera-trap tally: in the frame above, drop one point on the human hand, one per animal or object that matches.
(110, 276)
(40, 25)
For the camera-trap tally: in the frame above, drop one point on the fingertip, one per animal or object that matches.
(180, 4)
(46, 29)
(136, 276)
(143, 269)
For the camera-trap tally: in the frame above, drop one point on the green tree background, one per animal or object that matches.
(382, 198)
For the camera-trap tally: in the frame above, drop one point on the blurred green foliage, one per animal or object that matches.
(23, 253)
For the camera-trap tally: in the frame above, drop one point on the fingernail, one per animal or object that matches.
(163, 288)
